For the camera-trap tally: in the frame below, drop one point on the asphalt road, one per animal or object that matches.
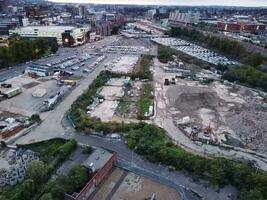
(179, 178)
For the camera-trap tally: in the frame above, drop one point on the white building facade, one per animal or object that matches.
(184, 18)
(78, 34)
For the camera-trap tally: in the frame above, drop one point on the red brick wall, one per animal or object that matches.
(232, 27)
(98, 178)
(13, 132)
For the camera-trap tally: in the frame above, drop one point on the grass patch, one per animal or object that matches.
(145, 101)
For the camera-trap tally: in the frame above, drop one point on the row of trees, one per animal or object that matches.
(151, 142)
(145, 100)
(228, 47)
(144, 69)
(20, 50)
(247, 75)
(77, 112)
(252, 74)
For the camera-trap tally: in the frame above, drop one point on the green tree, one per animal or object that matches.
(26, 190)
(47, 196)
(255, 59)
(37, 171)
(77, 177)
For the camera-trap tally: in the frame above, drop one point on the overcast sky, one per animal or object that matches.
(258, 3)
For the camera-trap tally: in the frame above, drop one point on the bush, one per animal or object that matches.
(37, 171)
(88, 150)
(151, 142)
(65, 150)
(35, 118)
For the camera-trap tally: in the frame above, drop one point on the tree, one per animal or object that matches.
(53, 46)
(37, 171)
(26, 190)
(35, 118)
(255, 59)
(77, 177)
(47, 196)
(115, 30)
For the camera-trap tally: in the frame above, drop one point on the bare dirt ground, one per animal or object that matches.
(107, 186)
(231, 111)
(135, 187)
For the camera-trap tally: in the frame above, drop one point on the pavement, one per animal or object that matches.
(126, 156)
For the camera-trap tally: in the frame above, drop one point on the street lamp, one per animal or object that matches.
(132, 155)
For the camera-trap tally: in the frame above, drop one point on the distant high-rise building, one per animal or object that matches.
(82, 10)
(36, 11)
(150, 13)
(4, 4)
(1, 5)
(184, 18)
(162, 10)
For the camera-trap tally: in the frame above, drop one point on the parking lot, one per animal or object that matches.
(127, 46)
(195, 51)
(25, 103)
(123, 64)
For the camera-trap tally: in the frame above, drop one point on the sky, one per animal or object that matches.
(247, 3)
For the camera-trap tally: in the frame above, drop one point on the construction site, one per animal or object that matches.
(212, 111)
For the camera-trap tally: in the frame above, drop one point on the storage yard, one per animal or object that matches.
(195, 51)
(34, 92)
(214, 112)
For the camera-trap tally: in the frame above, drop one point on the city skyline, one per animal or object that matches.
(243, 3)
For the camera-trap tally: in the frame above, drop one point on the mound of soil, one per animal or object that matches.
(187, 99)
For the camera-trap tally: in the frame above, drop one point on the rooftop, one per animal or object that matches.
(45, 28)
(99, 158)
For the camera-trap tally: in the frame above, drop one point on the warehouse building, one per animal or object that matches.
(65, 35)
(235, 26)
(39, 70)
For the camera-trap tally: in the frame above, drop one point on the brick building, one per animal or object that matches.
(100, 161)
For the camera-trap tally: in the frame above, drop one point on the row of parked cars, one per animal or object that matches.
(195, 51)
(125, 49)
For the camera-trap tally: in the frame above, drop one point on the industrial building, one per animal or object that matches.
(39, 70)
(176, 18)
(100, 163)
(65, 35)
(6, 25)
(240, 26)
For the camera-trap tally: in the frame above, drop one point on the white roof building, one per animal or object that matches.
(78, 34)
